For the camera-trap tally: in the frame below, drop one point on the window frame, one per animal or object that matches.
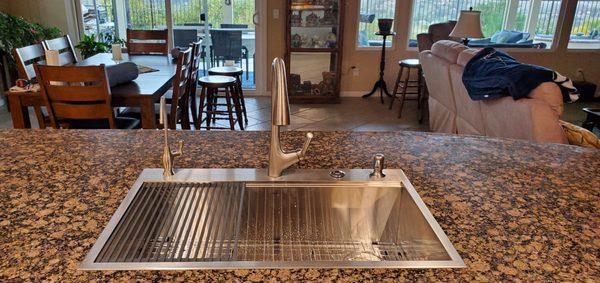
(556, 43)
(393, 39)
(570, 29)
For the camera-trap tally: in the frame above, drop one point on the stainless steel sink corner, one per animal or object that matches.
(241, 218)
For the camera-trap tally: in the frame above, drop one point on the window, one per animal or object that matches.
(505, 23)
(370, 11)
(98, 17)
(585, 33)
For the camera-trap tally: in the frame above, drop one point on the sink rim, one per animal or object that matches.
(259, 177)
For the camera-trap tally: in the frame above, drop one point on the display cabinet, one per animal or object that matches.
(314, 33)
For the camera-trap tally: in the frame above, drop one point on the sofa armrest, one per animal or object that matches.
(424, 41)
(528, 119)
(551, 94)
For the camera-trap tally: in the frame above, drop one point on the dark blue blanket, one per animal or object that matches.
(493, 74)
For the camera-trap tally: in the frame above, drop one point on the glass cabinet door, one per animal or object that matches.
(314, 48)
(314, 24)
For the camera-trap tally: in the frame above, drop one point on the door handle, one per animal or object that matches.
(255, 18)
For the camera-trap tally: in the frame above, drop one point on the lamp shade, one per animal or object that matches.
(468, 25)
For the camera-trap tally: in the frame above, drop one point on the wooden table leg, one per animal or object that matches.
(20, 114)
(148, 114)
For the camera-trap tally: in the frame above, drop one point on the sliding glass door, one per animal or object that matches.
(228, 28)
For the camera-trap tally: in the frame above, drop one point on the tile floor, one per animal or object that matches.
(352, 114)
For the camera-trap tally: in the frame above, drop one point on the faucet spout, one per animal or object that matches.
(168, 157)
(279, 160)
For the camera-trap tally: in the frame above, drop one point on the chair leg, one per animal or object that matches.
(237, 104)
(193, 106)
(229, 110)
(215, 101)
(198, 120)
(247, 67)
(419, 87)
(242, 99)
(396, 86)
(404, 89)
(209, 107)
(424, 105)
(40, 116)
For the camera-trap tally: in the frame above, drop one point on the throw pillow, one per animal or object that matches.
(579, 136)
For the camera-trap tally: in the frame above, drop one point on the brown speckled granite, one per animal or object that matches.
(513, 209)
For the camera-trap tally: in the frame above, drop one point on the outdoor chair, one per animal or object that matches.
(227, 45)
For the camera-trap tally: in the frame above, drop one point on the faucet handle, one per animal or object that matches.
(179, 151)
(309, 137)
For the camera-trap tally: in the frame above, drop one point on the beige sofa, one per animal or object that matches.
(451, 110)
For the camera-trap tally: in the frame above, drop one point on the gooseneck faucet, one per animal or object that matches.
(279, 160)
(168, 157)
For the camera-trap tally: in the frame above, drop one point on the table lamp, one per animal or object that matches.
(468, 25)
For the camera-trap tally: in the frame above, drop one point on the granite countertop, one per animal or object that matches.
(512, 209)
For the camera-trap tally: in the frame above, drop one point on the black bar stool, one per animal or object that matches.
(415, 85)
(208, 99)
(235, 72)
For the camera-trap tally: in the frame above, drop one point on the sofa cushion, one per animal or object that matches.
(507, 36)
(447, 49)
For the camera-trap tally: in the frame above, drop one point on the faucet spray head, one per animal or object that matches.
(280, 114)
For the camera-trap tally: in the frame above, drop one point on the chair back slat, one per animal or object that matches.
(26, 56)
(180, 99)
(234, 26)
(145, 48)
(66, 58)
(72, 75)
(74, 92)
(147, 42)
(64, 45)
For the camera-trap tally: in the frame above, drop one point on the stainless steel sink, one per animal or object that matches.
(240, 218)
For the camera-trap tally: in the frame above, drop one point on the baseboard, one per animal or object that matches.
(353, 93)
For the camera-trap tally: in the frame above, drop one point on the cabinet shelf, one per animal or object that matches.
(308, 8)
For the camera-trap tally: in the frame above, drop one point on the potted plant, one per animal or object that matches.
(17, 32)
(89, 46)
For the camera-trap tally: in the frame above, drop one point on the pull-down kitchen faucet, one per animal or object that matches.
(279, 160)
(168, 157)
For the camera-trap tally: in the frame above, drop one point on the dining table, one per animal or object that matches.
(143, 92)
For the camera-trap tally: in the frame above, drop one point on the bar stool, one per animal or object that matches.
(404, 85)
(208, 98)
(235, 72)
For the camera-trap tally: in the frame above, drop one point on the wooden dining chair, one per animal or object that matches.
(25, 58)
(145, 42)
(177, 98)
(64, 46)
(79, 98)
(180, 106)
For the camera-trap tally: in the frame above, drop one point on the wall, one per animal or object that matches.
(46, 12)
(561, 60)
(4, 6)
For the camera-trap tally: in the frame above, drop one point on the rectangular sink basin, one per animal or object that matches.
(240, 218)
